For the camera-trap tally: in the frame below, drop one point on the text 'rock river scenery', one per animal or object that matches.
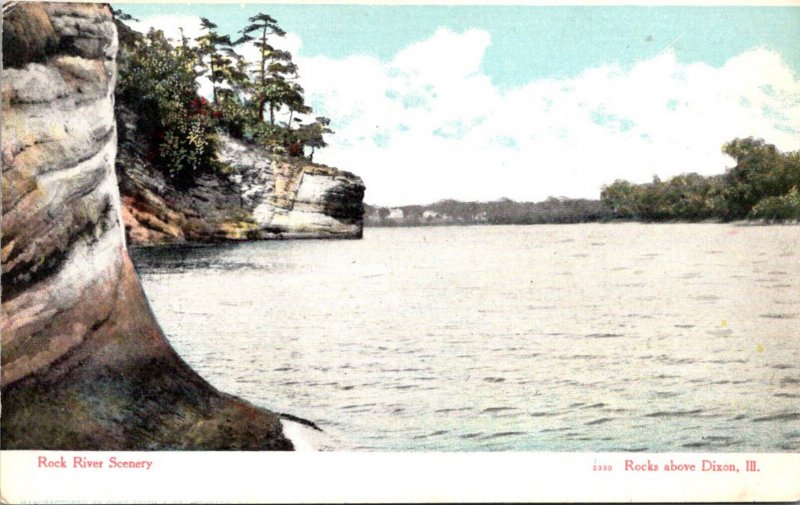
(547, 228)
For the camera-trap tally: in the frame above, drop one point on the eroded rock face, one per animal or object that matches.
(291, 197)
(84, 363)
(257, 196)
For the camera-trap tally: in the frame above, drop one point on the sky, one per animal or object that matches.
(528, 102)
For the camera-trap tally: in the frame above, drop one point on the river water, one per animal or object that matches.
(594, 337)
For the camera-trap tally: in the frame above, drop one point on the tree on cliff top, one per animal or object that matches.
(274, 66)
(312, 135)
(159, 81)
(222, 59)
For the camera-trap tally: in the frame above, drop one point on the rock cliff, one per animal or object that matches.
(255, 195)
(84, 363)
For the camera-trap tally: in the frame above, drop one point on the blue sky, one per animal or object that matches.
(527, 42)
(479, 102)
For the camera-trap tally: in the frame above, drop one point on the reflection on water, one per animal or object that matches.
(547, 338)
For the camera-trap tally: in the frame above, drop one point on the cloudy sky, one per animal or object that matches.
(526, 102)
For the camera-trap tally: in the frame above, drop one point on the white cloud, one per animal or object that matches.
(429, 124)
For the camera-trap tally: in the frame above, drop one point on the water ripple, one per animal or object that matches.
(445, 336)
(675, 413)
(786, 416)
(502, 434)
(490, 410)
(604, 335)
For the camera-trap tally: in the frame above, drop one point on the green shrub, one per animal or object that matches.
(232, 115)
(778, 208)
(158, 82)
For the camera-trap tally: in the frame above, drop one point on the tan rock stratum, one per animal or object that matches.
(84, 363)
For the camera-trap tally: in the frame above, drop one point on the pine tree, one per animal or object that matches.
(218, 50)
(275, 72)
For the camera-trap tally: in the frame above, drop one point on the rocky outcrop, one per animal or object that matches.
(254, 195)
(84, 363)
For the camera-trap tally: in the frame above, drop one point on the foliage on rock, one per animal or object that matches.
(259, 101)
(159, 82)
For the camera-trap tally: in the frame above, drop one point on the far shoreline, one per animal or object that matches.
(192, 244)
(740, 223)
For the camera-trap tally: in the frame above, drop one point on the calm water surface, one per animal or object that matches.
(547, 338)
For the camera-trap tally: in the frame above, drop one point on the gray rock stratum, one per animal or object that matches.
(84, 363)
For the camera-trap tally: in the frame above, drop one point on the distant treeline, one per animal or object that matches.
(503, 211)
(764, 185)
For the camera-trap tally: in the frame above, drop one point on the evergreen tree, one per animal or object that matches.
(274, 77)
(218, 51)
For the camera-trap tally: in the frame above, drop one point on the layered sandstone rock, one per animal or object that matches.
(84, 363)
(256, 195)
(291, 197)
